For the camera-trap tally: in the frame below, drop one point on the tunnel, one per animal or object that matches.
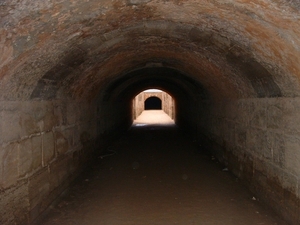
(70, 69)
(153, 103)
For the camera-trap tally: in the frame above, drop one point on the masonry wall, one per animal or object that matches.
(168, 103)
(258, 139)
(43, 147)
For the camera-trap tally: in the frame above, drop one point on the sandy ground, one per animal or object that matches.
(158, 176)
(153, 117)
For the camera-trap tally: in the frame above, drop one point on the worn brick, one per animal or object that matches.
(29, 125)
(36, 152)
(60, 113)
(14, 205)
(257, 114)
(38, 116)
(48, 148)
(242, 112)
(25, 157)
(278, 148)
(62, 144)
(291, 116)
(50, 119)
(9, 162)
(258, 143)
(38, 187)
(31, 118)
(282, 177)
(292, 156)
(11, 127)
(275, 113)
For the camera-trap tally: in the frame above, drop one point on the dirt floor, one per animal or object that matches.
(153, 117)
(157, 175)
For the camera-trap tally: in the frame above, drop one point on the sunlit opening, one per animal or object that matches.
(153, 106)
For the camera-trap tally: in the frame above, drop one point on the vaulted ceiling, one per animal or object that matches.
(78, 48)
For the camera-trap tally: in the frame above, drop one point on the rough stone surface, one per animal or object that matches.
(9, 162)
(36, 152)
(48, 148)
(14, 205)
(70, 69)
(25, 157)
(34, 165)
(62, 145)
(11, 128)
(263, 138)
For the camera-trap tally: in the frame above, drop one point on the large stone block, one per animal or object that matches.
(61, 141)
(14, 205)
(38, 188)
(9, 162)
(25, 157)
(48, 148)
(29, 125)
(37, 152)
(292, 154)
(257, 114)
(291, 115)
(275, 113)
(278, 148)
(50, 119)
(29, 120)
(258, 143)
(38, 116)
(60, 110)
(22, 119)
(282, 179)
(11, 127)
(242, 114)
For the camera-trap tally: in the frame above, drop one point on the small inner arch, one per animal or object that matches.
(153, 103)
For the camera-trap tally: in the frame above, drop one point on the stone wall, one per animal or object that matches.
(258, 140)
(168, 103)
(43, 146)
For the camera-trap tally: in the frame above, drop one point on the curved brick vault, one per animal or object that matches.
(69, 70)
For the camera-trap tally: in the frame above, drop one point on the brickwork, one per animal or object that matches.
(258, 139)
(38, 144)
(70, 68)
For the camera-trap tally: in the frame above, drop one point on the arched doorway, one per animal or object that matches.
(152, 103)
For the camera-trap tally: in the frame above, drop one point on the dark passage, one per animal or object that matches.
(158, 176)
(153, 103)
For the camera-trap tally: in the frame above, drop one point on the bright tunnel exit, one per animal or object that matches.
(153, 107)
